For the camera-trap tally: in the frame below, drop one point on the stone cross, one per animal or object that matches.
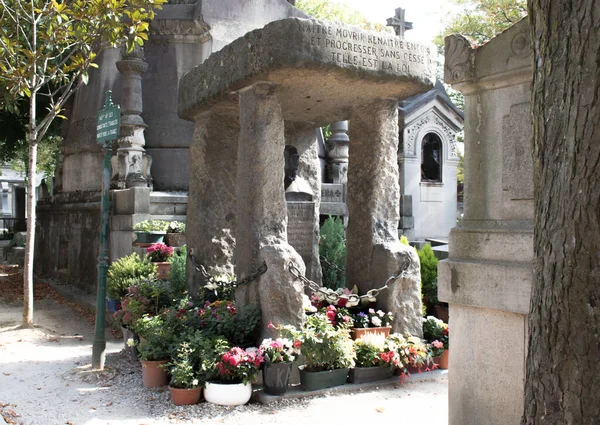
(398, 22)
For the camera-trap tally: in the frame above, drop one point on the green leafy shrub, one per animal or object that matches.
(332, 247)
(148, 226)
(428, 273)
(155, 338)
(125, 272)
(404, 240)
(183, 372)
(177, 280)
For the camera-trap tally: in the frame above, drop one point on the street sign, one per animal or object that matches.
(109, 121)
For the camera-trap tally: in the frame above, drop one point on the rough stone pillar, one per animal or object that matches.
(131, 167)
(211, 203)
(337, 153)
(302, 137)
(488, 275)
(262, 211)
(373, 250)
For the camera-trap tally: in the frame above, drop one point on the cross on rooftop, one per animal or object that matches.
(398, 22)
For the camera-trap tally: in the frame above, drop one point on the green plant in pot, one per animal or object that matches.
(124, 273)
(278, 355)
(160, 254)
(150, 231)
(175, 234)
(328, 352)
(184, 386)
(374, 360)
(154, 349)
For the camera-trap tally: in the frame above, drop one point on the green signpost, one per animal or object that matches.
(107, 130)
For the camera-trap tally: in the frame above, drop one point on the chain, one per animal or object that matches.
(209, 278)
(333, 297)
(331, 265)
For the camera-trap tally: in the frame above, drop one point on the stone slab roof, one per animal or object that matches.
(323, 69)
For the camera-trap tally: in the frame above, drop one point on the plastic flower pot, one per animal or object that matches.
(276, 377)
(312, 381)
(356, 333)
(149, 237)
(153, 375)
(360, 375)
(111, 304)
(443, 363)
(185, 396)
(227, 394)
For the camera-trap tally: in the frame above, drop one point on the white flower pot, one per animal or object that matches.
(228, 394)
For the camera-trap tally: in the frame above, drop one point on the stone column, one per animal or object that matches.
(211, 205)
(373, 250)
(131, 167)
(262, 212)
(337, 153)
(302, 137)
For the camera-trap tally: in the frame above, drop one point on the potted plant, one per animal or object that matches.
(175, 236)
(124, 273)
(278, 356)
(159, 254)
(132, 307)
(414, 354)
(436, 330)
(155, 339)
(328, 352)
(184, 386)
(150, 231)
(372, 322)
(232, 384)
(374, 360)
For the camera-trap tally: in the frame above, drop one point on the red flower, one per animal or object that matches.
(342, 302)
(297, 343)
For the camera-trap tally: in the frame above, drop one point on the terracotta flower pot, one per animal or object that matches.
(153, 375)
(164, 267)
(356, 333)
(185, 396)
(443, 364)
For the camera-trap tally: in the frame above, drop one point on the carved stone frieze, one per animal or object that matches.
(433, 119)
(459, 62)
(179, 27)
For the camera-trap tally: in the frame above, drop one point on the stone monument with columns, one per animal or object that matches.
(332, 73)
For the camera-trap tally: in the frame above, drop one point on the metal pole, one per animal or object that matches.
(99, 346)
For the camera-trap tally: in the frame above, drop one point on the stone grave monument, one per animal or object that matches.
(270, 89)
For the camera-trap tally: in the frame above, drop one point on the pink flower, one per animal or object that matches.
(437, 344)
(271, 325)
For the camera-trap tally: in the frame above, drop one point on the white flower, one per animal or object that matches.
(371, 311)
(251, 350)
(130, 342)
(380, 313)
(376, 321)
(210, 286)
(195, 382)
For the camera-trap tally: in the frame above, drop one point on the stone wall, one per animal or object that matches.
(487, 278)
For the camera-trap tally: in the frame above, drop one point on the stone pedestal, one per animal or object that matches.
(487, 277)
(131, 166)
(373, 250)
(337, 153)
(211, 210)
(262, 210)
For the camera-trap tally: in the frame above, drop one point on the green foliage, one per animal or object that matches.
(219, 287)
(338, 10)
(481, 20)
(323, 346)
(428, 273)
(176, 227)
(332, 247)
(460, 175)
(148, 226)
(404, 240)
(210, 350)
(177, 279)
(183, 373)
(435, 329)
(155, 338)
(125, 272)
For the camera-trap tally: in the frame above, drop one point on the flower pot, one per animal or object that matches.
(359, 375)
(227, 394)
(164, 267)
(175, 239)
(441, 312)
(276, 377)
(127, 335)
(153, 375)
(356, 333)
(443, 364)
(185, 396)
(311, 381)
(149, 237)
(112, 304)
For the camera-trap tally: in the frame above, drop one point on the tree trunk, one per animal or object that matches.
(563, 364)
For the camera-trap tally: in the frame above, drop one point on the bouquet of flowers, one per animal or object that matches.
(372, 319)
(239, 366)
(280, 350)
(371, 351)
(435, 329)
(159, 252)
(339, 317)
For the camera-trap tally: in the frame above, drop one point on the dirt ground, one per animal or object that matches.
(45, 379)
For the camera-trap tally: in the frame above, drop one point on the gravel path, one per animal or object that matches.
(45, 379)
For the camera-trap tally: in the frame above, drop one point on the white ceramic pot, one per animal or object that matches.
(228, 394)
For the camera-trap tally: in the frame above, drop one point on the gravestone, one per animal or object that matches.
(332, 72)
